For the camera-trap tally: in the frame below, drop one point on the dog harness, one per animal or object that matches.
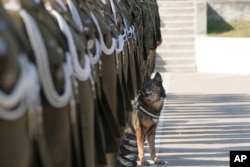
(139, 105)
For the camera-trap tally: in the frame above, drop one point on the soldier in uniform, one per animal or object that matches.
(87, 115)
(69, 13)
(15, 143)
(108, 77)
(151, 33)
(145, 16)
(105, 100)
(48, 43)
(156, 17)
(134, 12)
(76, 135)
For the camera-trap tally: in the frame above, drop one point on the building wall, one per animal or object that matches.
(228, 10)
(201, 17)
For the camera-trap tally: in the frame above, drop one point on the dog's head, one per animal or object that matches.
(153, 89)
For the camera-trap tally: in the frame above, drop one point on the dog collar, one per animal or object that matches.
(140, 106)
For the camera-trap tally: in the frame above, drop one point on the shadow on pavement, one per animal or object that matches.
(201, 129)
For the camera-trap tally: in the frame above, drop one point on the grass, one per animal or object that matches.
(228, 29)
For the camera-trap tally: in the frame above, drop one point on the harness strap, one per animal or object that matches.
(146, 110)
(148, 113)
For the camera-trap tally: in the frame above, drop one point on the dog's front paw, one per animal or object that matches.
(158, 162)
(144, 162)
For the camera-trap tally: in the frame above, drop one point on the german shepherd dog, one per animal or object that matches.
(143, 120)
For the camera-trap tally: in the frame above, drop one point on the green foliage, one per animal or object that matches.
(228, 29)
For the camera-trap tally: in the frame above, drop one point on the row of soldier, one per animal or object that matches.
(68, 72)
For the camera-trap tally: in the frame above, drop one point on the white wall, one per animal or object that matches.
(223, 55)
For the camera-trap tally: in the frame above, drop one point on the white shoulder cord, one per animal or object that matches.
(107, 51)
(130, 32)
(62, 5)
(24, 95)
(75, 15)
(41, 56)
(104, 2)
(95, 58)
(80, 73)
(133, 30)
(121, 41)
(124, 33)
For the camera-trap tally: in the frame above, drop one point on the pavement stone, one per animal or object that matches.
(205, 116)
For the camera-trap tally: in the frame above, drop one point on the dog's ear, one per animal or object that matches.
(158, 77)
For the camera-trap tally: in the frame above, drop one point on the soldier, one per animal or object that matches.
(19, 97)
(104, 102)
(68, 13)
(81, 124)
(134, 12)
(87, 115)
(49, 54)
(107, 34)
(145, 16)
(19, 80)
(151, 33)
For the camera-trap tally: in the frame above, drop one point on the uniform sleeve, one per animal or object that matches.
(158, 23)
(148, 25)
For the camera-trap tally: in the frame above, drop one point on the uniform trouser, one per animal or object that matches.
(15, 143)
(57, 134)
(22, 144)
(109, 87)
(87, 122)
(132, 68)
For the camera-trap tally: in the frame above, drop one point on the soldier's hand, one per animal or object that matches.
(158, 43)
(151, 55)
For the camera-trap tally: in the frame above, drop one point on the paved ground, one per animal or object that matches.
(204, 117)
